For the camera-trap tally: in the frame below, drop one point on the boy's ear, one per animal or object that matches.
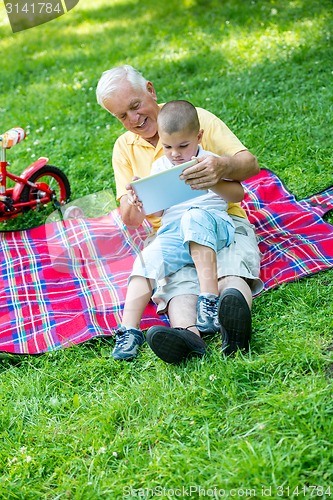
(200, 134)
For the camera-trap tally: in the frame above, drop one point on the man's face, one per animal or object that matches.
(179, 147)
(136, 109)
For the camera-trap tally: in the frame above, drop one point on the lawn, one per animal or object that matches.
(76, 424)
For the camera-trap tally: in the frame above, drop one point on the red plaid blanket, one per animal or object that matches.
(65, 282)
(293, 238)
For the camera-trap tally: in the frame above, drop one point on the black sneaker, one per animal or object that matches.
(207, 320)
(174, 345)
(235, 320)
(127, 343)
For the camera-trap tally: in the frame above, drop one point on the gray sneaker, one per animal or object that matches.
(127, 343)
(207, 318)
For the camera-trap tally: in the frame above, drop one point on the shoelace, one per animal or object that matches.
(208, 307)
(122, 337)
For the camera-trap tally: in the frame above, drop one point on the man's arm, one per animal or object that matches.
(211, 169)
(130, 214)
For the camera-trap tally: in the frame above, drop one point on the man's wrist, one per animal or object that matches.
(225, 168)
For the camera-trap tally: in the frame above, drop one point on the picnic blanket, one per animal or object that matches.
(65, 282)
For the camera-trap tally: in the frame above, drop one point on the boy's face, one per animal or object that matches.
(179, 147)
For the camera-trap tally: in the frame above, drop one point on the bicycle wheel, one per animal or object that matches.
(54, 178)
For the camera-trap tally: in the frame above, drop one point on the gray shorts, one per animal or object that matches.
(241, 258)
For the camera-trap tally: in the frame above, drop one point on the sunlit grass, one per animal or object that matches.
(76, 424)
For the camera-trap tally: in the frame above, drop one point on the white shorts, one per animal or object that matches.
(241, 258)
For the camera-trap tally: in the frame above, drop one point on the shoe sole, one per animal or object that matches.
(172, 347)
(125, 357)
(235, 318)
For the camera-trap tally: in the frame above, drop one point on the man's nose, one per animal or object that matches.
(133, 115)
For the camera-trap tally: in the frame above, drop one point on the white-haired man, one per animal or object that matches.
(132, 99)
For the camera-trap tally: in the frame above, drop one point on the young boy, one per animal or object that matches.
(191, 233)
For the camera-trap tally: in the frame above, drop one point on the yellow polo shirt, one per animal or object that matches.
(133, 156)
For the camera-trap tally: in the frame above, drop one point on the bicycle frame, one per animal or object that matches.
(14, 193)
(22, 181)
(31, 187)
(3, 170)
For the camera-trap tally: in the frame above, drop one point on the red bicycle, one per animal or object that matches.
(38, 185)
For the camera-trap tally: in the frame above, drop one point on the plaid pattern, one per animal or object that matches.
(293, 238)
(65, 283)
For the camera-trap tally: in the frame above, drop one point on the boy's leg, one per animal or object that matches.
(204, 233)
(129, 337)
(204, 259)
(138, 295)
(238, 269)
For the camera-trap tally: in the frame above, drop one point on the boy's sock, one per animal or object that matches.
(127, 327)
(208, 295)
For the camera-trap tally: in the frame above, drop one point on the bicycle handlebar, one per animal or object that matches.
(12, 137)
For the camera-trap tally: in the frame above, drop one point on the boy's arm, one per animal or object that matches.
(230, 191)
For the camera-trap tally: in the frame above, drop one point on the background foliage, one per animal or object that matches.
(76, 424)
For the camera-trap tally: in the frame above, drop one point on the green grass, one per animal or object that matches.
(76, 424)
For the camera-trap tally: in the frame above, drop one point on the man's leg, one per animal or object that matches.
(239, 268)
(182, 341)
(234, 311)
(239, 259)
(239, 284)
(182, 312)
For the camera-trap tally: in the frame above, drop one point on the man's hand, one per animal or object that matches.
(131, 208)
(211, 169)
(132, 198)
(206, 173)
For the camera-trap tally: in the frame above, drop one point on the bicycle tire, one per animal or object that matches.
(29, 193)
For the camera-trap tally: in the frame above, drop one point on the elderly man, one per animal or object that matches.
(132, 99)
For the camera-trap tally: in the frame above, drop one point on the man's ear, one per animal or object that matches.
(200, 134)
(151, 90)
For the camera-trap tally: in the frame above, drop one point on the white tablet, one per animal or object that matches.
(165, 189)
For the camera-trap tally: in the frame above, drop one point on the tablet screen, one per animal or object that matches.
(165, 189)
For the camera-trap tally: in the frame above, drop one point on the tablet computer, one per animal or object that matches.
(164, 189)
